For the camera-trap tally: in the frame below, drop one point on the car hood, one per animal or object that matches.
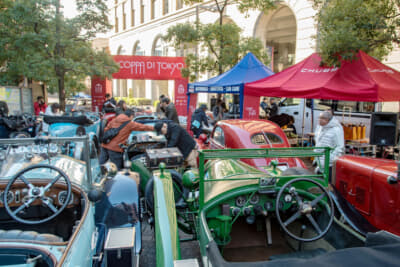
(232, 169)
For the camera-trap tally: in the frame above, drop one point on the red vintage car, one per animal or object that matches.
(372, 187)
(252, 134)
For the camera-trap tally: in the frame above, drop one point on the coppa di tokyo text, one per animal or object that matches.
(140, 67)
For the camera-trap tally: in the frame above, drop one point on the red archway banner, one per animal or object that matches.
(150, 68)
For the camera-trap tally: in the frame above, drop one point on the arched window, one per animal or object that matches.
(159, 47)
(137, 49)
(278, 30)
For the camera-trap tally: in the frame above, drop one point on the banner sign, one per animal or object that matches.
(181, 97)
(99, 88)
(190, 110)
(232, 89)
(251, 107)
(150, 68)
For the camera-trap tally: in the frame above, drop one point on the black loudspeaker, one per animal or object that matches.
(384, 129)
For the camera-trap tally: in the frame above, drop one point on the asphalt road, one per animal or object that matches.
(189, 249)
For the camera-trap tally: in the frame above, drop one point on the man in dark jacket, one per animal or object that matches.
(170, 110)
(109, 104)
(178, 137)
(198, 117)
(112, 151)
(273, 108)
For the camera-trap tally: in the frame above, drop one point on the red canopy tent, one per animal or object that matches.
(363, 79)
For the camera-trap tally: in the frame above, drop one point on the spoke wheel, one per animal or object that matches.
(305, 209)
(37, 193)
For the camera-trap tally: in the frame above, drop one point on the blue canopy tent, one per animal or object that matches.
(232, 82)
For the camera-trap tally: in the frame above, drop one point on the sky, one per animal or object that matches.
(69, 8)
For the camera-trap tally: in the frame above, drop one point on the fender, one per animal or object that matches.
(119, 205)
(350, 214)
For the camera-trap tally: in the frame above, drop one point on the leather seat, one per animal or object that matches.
(28, 235)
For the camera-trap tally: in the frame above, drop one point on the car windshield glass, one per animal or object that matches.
(267, 139)
(17, 156)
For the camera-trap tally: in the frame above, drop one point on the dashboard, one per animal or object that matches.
(16, 197)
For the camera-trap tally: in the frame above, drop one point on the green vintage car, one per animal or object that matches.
(244, 217)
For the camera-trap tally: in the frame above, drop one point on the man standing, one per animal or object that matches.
(109, 104)
(39, 106)
(52, 110)
(160, 112)
(112, 151)
(198, 117)
(264, 104)
(273, 108)
(329, 133)
(170, 110)
(178, 137)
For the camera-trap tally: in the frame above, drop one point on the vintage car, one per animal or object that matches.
(23, 125)
(76, 124)
(61, 211)
(243, 216)
(372, 187)
(252, 134)
(78, 104)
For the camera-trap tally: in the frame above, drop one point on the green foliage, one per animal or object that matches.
(347, 26)
(135, 101)
(38, 43)
(220, 46)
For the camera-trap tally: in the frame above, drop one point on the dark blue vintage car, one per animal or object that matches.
(57, 210)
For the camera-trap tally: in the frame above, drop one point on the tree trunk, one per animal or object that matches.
(61, 92)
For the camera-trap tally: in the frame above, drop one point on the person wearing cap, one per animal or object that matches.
(198, 118)
(180, 138)
(112, 151)
(329, 133)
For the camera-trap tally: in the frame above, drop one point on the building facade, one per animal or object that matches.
(288, 32)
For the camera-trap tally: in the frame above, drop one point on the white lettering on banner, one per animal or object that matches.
(252, 111)
(137, 65)
(320, 70)
(140, 67)
(381, 70)
(169, 66)
(181, 89)
(98, 88)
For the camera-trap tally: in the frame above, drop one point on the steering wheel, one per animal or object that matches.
(304, 208)
(37, 193)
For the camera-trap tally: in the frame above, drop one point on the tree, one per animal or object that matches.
(347, 26)
(38, 43)
(221, 40)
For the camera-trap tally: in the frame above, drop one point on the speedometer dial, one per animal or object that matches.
(10, 197)
(240, 201)
(62, 197)
(254, 199)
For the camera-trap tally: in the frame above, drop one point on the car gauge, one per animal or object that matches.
(62, 197)
(254, 199)
(10, 197)
(240, 201)
(288, 198)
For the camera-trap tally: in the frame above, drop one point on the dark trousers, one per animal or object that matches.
(114, 157)
(197, 132)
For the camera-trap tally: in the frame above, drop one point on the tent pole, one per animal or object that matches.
(302, 125)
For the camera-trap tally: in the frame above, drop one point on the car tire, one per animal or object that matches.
(177, 182)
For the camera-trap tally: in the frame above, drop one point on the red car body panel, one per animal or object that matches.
(363, 182)
(238, 133)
